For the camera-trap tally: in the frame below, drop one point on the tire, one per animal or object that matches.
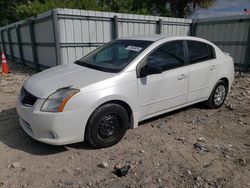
(107, 125)
(218, 95)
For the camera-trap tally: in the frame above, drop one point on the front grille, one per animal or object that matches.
(27, 98)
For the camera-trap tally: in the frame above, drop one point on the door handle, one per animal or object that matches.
(213, 67)
(182, 77)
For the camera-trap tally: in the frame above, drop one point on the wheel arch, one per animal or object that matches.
(126, 106)
(130, 109)
(93, 139)
(223, 78)
(226, 80)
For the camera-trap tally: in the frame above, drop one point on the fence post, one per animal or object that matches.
(159, 28)
(115, 27)
(10, 44)
(1, 47)
(247, 53)
(1, 35)
(3, 43)
(193, 28)
(33, 44)
(56, 37)
(19, 44)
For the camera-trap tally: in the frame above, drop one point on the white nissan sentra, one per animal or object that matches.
(100, 96)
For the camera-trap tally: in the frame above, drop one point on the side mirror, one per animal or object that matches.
(150, 69)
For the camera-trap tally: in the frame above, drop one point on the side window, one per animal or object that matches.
(199, 51)
(168, 56)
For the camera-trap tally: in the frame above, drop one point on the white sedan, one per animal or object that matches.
(100, 96)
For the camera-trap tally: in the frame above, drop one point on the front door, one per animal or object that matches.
(166, 90)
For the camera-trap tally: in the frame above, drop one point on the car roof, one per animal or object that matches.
(158, 37)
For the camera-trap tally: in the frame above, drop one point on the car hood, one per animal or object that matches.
(48, 81)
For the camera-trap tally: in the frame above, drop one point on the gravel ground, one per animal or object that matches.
(160, 152)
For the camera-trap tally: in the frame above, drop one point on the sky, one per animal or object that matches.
(223, 8)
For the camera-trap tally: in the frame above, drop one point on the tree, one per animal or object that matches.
(185, 8)
(145, 7)
(7, 11)
(14, 10)
(35, 7)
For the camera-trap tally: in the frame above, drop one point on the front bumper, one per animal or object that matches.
(52, 128)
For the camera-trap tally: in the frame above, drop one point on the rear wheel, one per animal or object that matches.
(218, 95)
(107, 125)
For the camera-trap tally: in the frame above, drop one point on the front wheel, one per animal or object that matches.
(107, 125)
(218, 95)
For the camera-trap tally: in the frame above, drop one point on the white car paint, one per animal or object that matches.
(147, 97)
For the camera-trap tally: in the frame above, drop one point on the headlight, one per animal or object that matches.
(56, 101)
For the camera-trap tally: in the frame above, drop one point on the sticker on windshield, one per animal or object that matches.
(134, 48)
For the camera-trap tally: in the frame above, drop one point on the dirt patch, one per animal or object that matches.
(160, 153)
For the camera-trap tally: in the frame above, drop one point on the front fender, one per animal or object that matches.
(126, 92)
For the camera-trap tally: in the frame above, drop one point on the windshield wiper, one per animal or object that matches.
(79, 62)
(85, 64)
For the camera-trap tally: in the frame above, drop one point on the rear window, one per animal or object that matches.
(199, 51)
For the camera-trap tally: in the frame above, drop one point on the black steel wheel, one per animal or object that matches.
(107, 125)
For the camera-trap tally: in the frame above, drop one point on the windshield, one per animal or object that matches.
(114, 56)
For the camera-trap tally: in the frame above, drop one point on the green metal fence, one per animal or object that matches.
(61, 36)
(230, 33)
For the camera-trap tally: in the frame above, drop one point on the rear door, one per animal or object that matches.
(203, 70)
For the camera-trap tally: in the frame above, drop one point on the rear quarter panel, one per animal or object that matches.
(226, 68)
